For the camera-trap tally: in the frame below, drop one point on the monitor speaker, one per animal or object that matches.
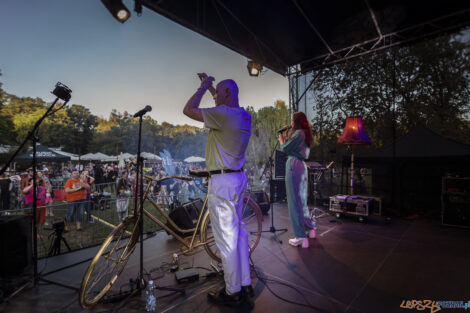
(15, 245)
(185, 216)
(261, 199)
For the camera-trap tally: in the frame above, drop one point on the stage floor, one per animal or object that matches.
(350, 267)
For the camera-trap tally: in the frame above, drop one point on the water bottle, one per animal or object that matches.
(314, 223)
(151, 297)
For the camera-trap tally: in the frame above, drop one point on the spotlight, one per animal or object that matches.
(117, 9)
(254, 69)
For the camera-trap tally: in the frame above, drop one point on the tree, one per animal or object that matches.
(264, 125)
(25, 112)
(426, 83)
(7, 133)
(80, 129)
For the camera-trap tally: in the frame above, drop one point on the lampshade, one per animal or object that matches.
(354, 133)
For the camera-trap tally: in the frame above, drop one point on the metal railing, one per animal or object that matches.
(100, 216)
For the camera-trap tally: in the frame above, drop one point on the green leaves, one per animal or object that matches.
(264, 125)
(426, 83)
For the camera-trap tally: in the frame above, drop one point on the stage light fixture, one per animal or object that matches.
(117, 9)
(254, 69)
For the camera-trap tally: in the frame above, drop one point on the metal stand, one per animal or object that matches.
(272, 198)
(61, 92)
(58, 238)
(141, 283)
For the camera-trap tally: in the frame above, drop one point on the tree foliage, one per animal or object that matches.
(427, 83)
(265, 123)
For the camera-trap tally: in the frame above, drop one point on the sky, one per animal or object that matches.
(148, 60)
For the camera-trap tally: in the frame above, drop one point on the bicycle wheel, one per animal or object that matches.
(252, 217)
(109, 262)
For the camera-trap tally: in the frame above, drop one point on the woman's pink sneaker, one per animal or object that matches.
(311, 233)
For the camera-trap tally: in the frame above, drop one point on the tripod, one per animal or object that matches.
(272, 197)
(58, 238)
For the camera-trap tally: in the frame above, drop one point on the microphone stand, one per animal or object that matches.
(272, 197)
(139, 196)
(61, 92)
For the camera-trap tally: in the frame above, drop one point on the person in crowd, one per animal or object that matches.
(131, 176)
(297, 145)
(47, 183)
(84, 176)
(75, 191)
(174, 188)
(41, 191)
(229, 133)
(123, 193)
(66, 173)
(162, 188)
(111, 176)
(25, 178)
(6, 186)
(99, 177)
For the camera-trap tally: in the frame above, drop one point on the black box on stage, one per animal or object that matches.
(186, 215)
(456, 210)
(277, 190)
(15, 245)
(261, 199)
(280, 165)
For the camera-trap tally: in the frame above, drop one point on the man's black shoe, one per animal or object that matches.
(222, 298)
(247, 291)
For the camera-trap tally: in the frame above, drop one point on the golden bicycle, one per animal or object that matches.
(117, 248)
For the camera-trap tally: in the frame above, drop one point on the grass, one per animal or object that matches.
(91, 234)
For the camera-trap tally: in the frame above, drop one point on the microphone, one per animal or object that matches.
(283, 129)
(148, 108)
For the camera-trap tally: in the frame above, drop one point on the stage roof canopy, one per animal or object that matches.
(313, 34)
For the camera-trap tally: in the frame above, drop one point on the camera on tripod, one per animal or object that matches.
(58, 227)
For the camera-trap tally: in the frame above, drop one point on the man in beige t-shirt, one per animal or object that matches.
(229, 133)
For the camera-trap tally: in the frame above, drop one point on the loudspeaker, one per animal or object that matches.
(280, 165)
(15, 245)
(277, 190)
(261, 199)
(456, 210)
(186, 215)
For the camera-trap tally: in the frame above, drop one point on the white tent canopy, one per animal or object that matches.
(88, 156)
(111, 158)
(73, 157)
(102, 156)
(150, 156)
(127, 156)
(97, 157)
(194, 159)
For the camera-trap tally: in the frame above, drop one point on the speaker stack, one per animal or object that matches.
(16, 258)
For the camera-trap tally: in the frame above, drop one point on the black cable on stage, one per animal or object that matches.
(265, 281)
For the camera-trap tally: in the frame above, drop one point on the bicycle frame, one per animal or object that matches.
(192, 244)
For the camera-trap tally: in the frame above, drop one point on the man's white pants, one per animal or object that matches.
(225, 203)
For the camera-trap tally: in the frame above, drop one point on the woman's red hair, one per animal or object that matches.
(300, 121)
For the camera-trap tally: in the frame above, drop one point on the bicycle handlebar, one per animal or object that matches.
(167, 177)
